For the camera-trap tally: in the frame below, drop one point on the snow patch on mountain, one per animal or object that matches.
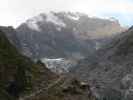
(97, 46)
(51, 17)
(73, 17)
(58, 65)
(33, 23)
(58, 28)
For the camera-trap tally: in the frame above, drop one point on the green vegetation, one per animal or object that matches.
(16, 71)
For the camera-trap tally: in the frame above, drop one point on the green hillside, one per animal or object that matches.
(15, 70)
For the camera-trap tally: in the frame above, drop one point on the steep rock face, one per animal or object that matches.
(111, 69)
(63, 34)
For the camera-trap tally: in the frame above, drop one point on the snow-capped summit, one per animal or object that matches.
(51, 17)
(73, 16)
(33, 23)
(63, 34)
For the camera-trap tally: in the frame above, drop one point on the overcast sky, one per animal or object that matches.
(14, 12)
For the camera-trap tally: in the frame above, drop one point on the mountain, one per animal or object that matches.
(64, 34)
(22, 79)
(18, 74)
(111, 70)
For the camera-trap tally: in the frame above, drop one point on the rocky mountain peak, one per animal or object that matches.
(72, 34)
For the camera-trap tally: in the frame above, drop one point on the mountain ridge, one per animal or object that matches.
(111, 68)
(72, 34)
